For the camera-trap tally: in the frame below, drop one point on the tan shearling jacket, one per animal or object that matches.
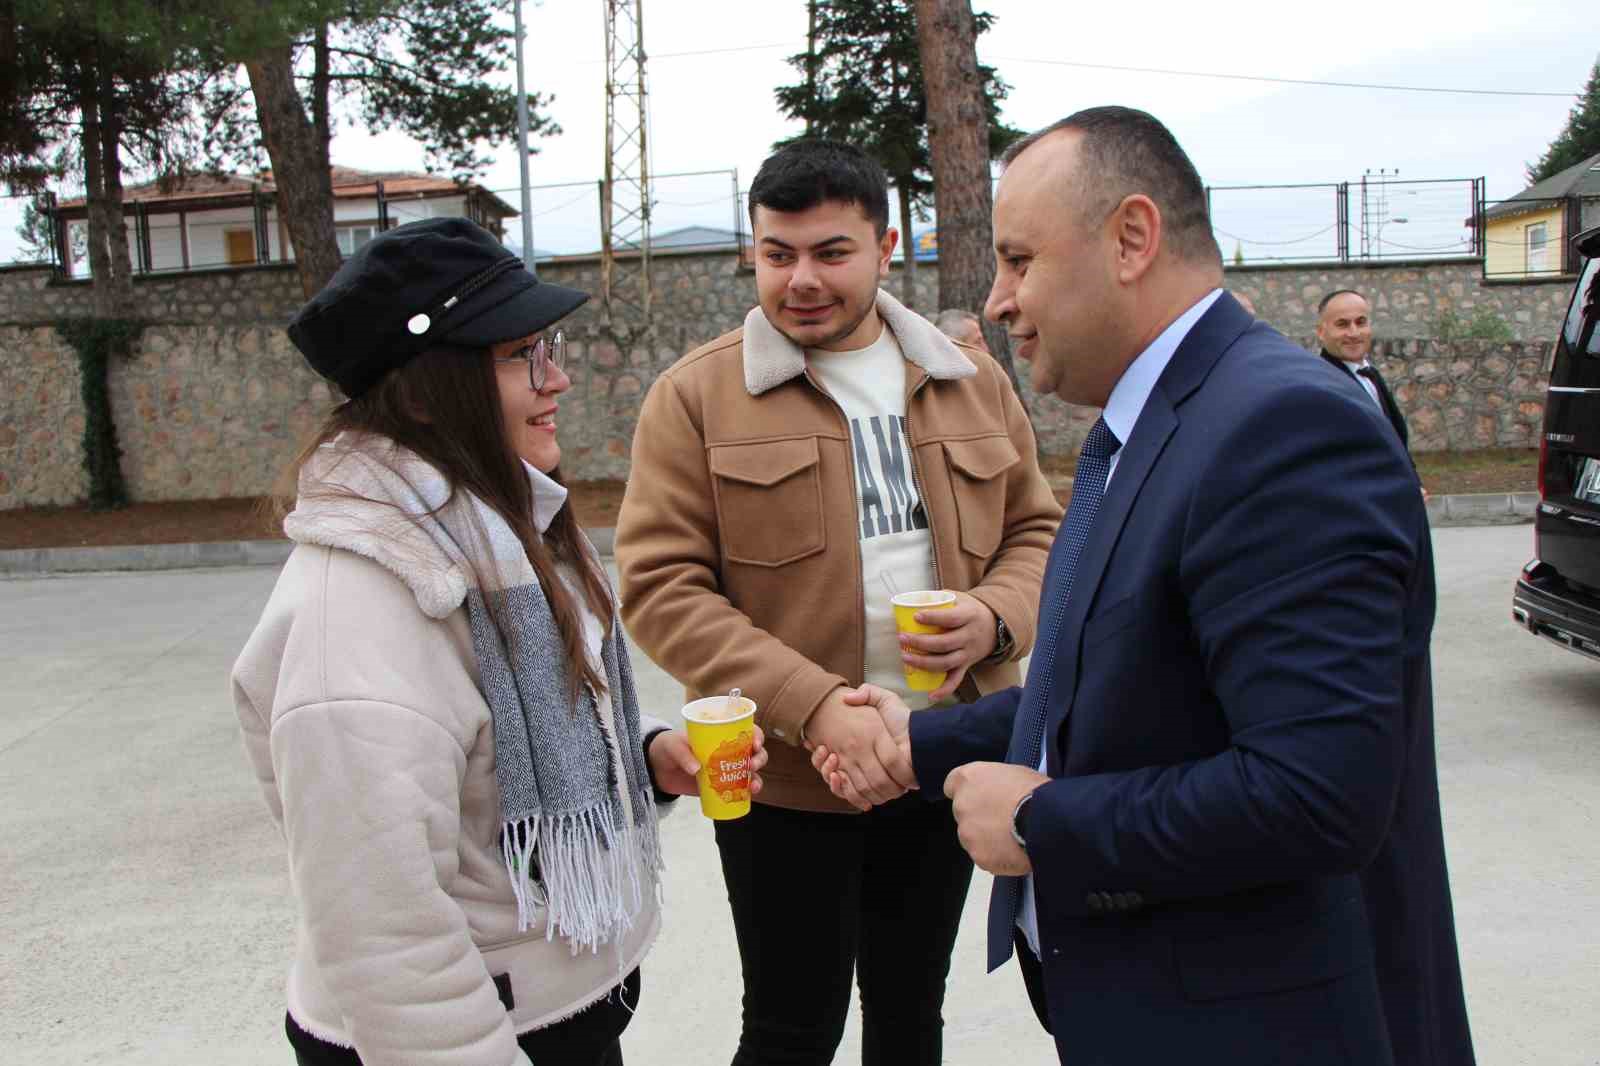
(737, 540)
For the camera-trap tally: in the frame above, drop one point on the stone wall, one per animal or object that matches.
(699, 296)
(1408, 298)
(1465, 395)
(217, 400)
(239, 294)
(41, 419)
(208, 411)
(201, 412)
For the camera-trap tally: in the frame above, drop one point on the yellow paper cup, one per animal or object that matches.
(722, 734)
(906, 606)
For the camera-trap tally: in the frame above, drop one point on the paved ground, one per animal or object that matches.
(144, 916)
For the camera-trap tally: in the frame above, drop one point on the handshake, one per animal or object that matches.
(866, 760)
(864, 757)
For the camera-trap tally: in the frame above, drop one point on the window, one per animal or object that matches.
(240, 246)
(1574, 324)
(352, 238)
(1538, 239)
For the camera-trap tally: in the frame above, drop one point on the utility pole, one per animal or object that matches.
(1374, 208)
(625, 285)
(522, 143)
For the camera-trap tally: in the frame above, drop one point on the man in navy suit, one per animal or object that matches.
(1344, 329)
(1213, 808)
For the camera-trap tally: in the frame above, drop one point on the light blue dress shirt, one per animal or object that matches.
(1122, 413)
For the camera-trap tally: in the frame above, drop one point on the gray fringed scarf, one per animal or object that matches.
(578, 823)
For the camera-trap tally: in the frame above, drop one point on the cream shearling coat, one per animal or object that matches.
(373, 745)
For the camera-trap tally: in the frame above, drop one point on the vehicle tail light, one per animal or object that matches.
(1544, 459)
(1544, 463)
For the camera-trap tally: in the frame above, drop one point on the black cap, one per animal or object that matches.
(440, 281)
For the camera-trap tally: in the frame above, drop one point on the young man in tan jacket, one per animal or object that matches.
(787, 478)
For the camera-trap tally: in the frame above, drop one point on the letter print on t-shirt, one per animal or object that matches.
(885, 484)
(869, 385)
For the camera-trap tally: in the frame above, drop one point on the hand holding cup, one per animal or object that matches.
(942, 635)
(727, 744)
(676, 768)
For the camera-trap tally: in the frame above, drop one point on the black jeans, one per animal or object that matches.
(589, 1038)
(817, 895)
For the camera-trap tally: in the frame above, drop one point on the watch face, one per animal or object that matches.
(1002, 640)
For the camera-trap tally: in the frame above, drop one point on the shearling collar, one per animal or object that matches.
(770, 358)
(376, 499)
(368, 497)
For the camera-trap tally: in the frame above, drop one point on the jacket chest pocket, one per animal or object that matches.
(769, 500)
(976, 480)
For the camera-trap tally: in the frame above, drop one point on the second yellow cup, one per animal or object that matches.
(722, 734)
(906, 606)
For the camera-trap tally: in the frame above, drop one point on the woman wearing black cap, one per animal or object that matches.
(437, 700)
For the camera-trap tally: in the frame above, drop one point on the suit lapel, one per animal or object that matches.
(1216, 331)
(1391, 410)
(1333, 360)
(1134, 461)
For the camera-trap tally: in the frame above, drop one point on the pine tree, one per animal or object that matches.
(1579, 140)
(964, 135)
(863, 84)
(84, 92)
(423, 67)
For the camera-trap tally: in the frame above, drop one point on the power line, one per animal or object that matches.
(1164, 70)
(704, 52)
(1297, 240)
(1278, 81)
(718, 51)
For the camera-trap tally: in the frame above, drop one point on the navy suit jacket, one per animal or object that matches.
(1385, 397)
(1238, 858)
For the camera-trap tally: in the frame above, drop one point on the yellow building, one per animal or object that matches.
(1526, 236)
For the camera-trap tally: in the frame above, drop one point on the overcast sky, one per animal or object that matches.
(714, 110)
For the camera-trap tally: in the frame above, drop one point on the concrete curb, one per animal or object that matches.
(1483, 509)
(1478, 509)
(31, 562)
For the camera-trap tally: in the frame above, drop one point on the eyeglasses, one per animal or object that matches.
(541, 355)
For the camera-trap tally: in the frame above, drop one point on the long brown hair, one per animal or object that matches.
(444, 406)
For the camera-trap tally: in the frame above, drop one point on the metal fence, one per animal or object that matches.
(1332, 222)
(1348, 221)
(693, 209)
(699, 209)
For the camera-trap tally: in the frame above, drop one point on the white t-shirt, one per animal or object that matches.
(869, 384)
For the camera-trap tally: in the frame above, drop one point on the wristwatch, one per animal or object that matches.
(1016, 821)
(1004, 642)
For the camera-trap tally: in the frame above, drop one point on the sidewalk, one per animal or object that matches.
(148, 914)
(1477, 509)
(148, 917)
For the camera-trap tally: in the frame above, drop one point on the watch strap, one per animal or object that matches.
(1004, 642)
(1016, 821)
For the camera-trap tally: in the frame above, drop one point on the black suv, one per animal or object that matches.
(1558, 593)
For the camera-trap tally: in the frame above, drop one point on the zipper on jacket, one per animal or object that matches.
(855, 496)
(916, 481)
